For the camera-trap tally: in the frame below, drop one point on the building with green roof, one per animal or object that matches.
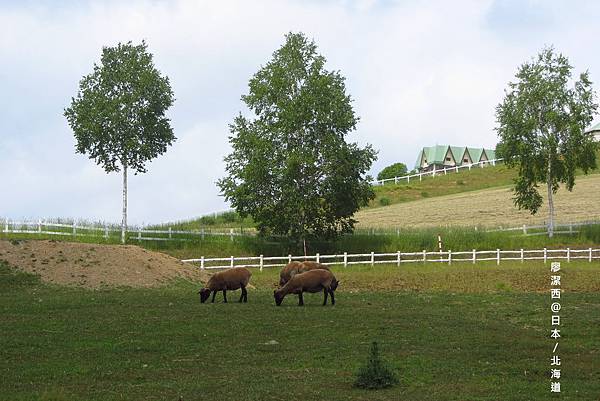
(439, 157)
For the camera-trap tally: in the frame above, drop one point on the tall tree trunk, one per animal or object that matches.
(550, 201)
(124, 221)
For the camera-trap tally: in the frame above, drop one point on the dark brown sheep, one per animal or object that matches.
(295, 267)
(311, 281)
(231, 279)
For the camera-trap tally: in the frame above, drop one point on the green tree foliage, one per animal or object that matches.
(395, 170)
(291, 168)
(375, 374)
(118, 116)
(541, 125)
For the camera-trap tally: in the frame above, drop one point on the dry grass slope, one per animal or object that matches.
(489, 208)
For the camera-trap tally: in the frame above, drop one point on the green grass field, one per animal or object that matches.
(408, 240)
(451, 333)
(440, 185)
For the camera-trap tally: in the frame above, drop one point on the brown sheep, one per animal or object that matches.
(311, 281)
(231, 279)
(295, 267)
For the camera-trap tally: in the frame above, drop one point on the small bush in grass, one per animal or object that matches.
(375, 374)
(384, 201)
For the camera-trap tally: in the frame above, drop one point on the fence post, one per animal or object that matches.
(590, 254)
(449, 256)
(6, 225)
(289, 258)
(420, 176)
(474, 256)
(408, 179)
(261, 262)
(139, 234)
(202, 263)
(372, 258)
(522, 255)
(231, 234)
(318, 258)
(170, 236)
(424, 255)
(74, 229)
(231, 265)
(399, 258)
(470, 166)
(345, 259)
(497, 256)
(445, 171)
(39, 225)
(202, 232)
(545, 255)
(568, 255)
(524, 229)
(395, 180)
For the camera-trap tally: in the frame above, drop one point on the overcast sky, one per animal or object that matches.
(420, 73)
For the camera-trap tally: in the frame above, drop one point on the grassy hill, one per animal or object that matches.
(487, 208)
(440, 185)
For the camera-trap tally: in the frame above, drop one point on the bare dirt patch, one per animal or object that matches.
(96, 266)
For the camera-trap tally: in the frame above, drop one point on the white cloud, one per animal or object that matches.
(420, 73)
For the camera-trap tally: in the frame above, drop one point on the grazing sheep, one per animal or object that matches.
(295, 267)
(311, 281)
(231, 279)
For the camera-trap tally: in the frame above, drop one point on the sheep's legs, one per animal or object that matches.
(300, 299)
(332, 297)
(214, 295)
(325, 293)
(225, 296)
(244, 296)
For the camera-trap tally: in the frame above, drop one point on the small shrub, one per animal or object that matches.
(384, 201)
(424, 194)
(375, 374)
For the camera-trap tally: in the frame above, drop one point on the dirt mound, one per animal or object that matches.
(96, 266)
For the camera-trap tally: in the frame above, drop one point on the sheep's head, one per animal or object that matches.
(204, 294)
(278, 298)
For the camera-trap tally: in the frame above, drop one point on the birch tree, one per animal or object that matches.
(118, 116)
(291, 167)
(541, 125)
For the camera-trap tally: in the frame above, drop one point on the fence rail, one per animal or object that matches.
(435, 172)
(133, 233)
(398, 258)
(169, 234)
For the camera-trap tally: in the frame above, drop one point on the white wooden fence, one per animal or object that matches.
(539, 229)
(562, 228)
(435, 172)
(397, 258)
(138, 234)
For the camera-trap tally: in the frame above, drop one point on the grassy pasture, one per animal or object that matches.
(452, 333)
(408, 240)
(489, 208)
(451, 183)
